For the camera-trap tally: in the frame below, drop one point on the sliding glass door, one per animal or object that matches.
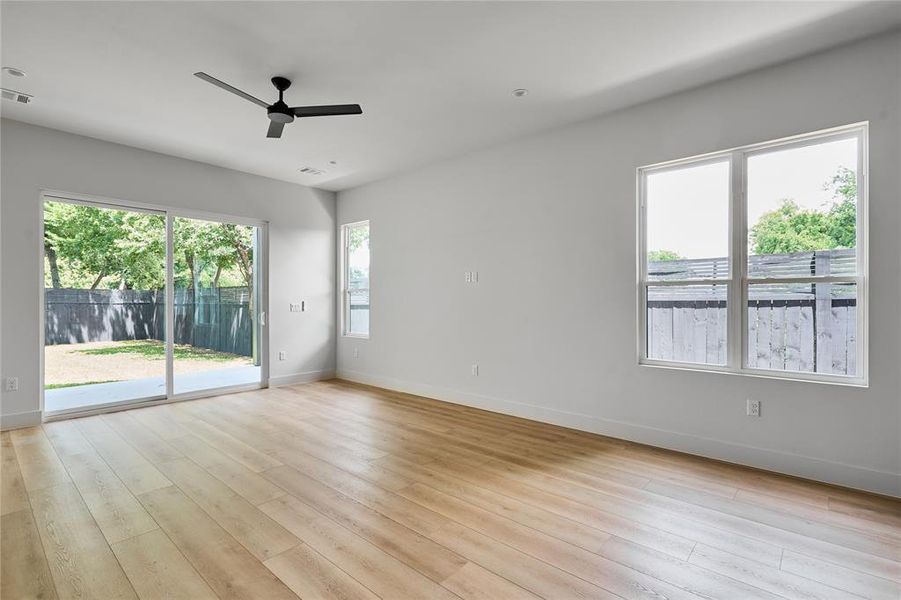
(143, 304)
(104, 305)
(216, 341)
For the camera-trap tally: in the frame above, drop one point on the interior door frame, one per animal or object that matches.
(169, 213)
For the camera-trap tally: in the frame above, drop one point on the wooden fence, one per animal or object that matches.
(214, 318)
(793, 327)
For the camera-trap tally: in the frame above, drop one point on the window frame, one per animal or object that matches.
(738, 281)
(345, 279)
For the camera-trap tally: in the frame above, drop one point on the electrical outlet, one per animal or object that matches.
(475, 370)
(356, 353)
(475, 276)
(467, 276)
(11, 384)
(753, 408)
(296, 307)
(282, 355)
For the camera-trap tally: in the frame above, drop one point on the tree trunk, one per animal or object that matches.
(245, 265)
(54, 268)
(189, 258)
(100, 276)
(216, 278)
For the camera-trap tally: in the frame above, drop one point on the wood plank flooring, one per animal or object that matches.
(335, 490)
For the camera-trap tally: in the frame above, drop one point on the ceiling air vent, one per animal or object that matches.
(16, 96)
(311, 171)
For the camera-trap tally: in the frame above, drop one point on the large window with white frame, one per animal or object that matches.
(753, 260)
(355, 269)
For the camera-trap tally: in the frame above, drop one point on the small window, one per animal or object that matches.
(752, 259)
(356, 279)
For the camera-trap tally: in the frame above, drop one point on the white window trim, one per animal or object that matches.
(345, 291)
(738, 280)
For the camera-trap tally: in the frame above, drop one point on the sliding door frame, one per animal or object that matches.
(261, 317)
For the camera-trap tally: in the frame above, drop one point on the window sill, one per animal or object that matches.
(837, 380)
(355, 336)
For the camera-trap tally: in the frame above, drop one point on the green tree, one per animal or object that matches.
(843, 213)
(791, 228)
(357, 236)
(211, 254)
(91, 247)
(661, 255)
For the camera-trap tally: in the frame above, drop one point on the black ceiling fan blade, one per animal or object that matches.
(275, 129)
(327, 111)
(230, 88)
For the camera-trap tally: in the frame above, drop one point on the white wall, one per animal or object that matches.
(301, 242)
(549, 223)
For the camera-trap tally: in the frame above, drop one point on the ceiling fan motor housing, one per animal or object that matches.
(280, 113)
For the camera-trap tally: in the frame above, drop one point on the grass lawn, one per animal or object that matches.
(56, 386)
(69, 365)
(156, 350)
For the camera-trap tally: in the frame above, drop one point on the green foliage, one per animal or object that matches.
(790, 228)
(90, 247)
(660, 255)
(357, 237)
(209, 254)
(843, 225)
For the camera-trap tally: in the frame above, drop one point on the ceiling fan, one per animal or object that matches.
(280, 113)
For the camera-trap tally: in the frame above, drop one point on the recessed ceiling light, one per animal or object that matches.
(520, 92)
(14, 71)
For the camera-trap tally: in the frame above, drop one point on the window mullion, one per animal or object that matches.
(738, 264)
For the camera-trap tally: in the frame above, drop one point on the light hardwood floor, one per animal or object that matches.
(332, 490)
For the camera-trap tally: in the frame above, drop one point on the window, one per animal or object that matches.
(355, 238)
(753, 260)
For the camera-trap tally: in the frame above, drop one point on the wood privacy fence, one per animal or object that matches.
(794, 327)
(214, 318)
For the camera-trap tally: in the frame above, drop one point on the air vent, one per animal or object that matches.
(311, 171)
(16, 96)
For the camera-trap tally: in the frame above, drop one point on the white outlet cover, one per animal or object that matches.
(753, 408)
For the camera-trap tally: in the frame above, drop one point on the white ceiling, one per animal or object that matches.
(434, 79)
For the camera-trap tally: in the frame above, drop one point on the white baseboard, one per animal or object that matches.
(862, 478)
(22, 419)
(304, 377)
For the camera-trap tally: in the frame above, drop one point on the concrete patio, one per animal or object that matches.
(100, 394)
